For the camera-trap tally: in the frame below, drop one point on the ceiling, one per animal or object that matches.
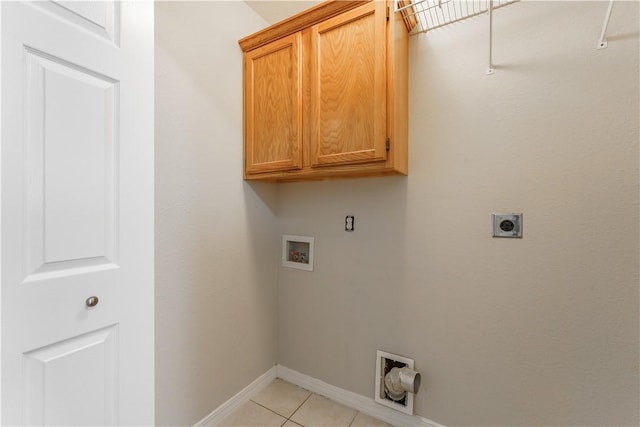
(277, 10)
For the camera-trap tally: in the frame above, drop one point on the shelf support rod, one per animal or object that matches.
(602, 43)
(490, 69)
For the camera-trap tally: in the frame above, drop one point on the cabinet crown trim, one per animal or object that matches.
(299, 22)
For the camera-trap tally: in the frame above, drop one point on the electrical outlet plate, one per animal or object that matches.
(384, 363)
(350, 223)
(507, 225)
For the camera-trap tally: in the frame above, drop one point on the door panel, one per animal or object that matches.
(99, 17)
(348, 108)
(92, 11)
(70, 164)
(57, 378)
(77, 213)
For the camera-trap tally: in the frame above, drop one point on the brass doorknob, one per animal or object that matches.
(92, 301)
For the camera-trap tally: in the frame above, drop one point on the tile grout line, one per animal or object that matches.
(270, 410)
(299, 406)
(354, 417)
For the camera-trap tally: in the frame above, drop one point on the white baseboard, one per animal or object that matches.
(363, 404)
(239, 399)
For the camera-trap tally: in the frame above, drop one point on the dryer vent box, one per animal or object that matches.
(385, 362)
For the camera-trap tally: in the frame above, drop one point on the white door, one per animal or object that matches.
(77, 212)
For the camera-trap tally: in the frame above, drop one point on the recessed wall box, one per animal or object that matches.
(507, 225)
(297, 252)
(386, 393)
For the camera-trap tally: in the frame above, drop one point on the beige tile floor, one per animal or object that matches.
(287, 405)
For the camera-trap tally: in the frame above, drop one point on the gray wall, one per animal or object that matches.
(538, 331)
(216, 242)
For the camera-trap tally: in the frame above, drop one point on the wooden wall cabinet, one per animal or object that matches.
(273, 106)
(325, 94)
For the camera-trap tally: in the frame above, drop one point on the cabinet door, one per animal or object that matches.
(348, 87)
(273, 106)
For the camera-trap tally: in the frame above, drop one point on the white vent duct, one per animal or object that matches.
(399, 381)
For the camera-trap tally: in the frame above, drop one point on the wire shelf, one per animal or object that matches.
(421, 16)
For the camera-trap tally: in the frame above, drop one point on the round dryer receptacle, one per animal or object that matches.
(507, 225)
